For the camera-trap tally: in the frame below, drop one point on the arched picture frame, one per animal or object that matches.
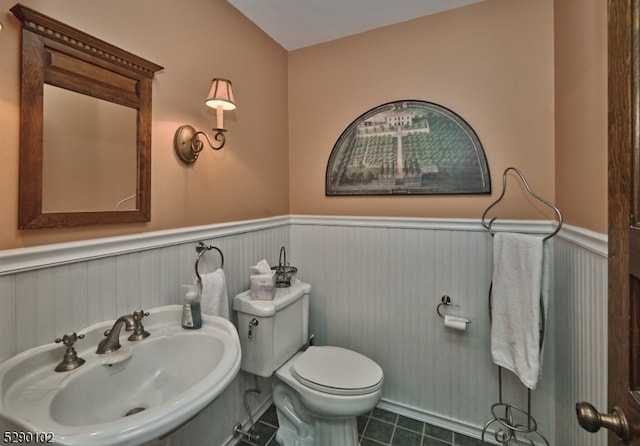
(408, 147)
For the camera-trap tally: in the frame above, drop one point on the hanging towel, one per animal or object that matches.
(518, 279)
(214, 299)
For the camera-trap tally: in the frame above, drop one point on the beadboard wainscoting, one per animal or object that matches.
(580, 313)
(376, 289)
(50, 290)
(376, 286)
(376, 283)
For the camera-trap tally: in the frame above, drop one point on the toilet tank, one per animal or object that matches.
(282, 327)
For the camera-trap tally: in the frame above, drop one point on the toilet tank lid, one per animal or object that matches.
(284, 297)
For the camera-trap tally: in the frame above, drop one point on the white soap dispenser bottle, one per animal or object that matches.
(191, 313)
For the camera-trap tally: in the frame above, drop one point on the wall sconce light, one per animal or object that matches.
(187, 142)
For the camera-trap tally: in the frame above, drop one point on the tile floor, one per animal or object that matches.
(378, 428)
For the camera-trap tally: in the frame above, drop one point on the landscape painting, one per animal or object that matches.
(408, 147)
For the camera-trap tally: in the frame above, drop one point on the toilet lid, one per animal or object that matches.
(338, 371)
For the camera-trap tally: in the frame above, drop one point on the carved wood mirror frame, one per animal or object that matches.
(57, 54)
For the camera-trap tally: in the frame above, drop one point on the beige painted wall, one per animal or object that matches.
(195, 42)
(529, 76)
(491, 62)
(581, 112)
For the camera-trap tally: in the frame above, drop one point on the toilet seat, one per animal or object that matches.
(337, 371)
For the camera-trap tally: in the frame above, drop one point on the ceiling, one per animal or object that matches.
(299, 23)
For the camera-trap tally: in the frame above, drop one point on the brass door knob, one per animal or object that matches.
(591, 420)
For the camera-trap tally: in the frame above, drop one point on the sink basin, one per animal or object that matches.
(138, 393)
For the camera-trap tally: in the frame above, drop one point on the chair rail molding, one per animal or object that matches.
(43, 256)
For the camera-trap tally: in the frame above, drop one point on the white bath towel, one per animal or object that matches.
(215, 301)
(518, 283)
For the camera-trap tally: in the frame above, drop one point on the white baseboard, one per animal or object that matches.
(456, 426)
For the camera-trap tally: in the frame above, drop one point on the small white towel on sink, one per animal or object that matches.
(215, 301)
(517, 289)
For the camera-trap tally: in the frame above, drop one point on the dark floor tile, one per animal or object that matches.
(428, 441)
(411, 424)
(273, 442)
(384, 415)
(265, 433)
(438, 433)
(379, 430)
(370, 442)
(270, 416)
(463, 440)
(404, 437)
(362, 421)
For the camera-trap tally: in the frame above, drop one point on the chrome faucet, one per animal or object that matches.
(112, 341)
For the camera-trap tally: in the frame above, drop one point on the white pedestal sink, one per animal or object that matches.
(138, 393)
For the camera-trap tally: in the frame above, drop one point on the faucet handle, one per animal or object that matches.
(71, 359)
(138, 315)
(69, 338)
(139, 332)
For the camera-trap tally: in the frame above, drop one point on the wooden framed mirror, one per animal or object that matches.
(85, 128)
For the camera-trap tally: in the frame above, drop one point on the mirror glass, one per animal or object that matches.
(89, 159)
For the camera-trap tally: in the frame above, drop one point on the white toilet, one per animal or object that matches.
(319, 392)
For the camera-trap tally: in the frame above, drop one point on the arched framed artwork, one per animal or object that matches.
(408, 147)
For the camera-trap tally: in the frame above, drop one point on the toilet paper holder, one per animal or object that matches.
(446, 301)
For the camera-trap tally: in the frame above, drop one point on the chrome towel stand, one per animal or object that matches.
(488, 227)
(508, 427)
(201, 248)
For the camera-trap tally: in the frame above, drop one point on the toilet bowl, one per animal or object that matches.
(318, 392)
(333, 381)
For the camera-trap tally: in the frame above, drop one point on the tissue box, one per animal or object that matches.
(263, 286)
